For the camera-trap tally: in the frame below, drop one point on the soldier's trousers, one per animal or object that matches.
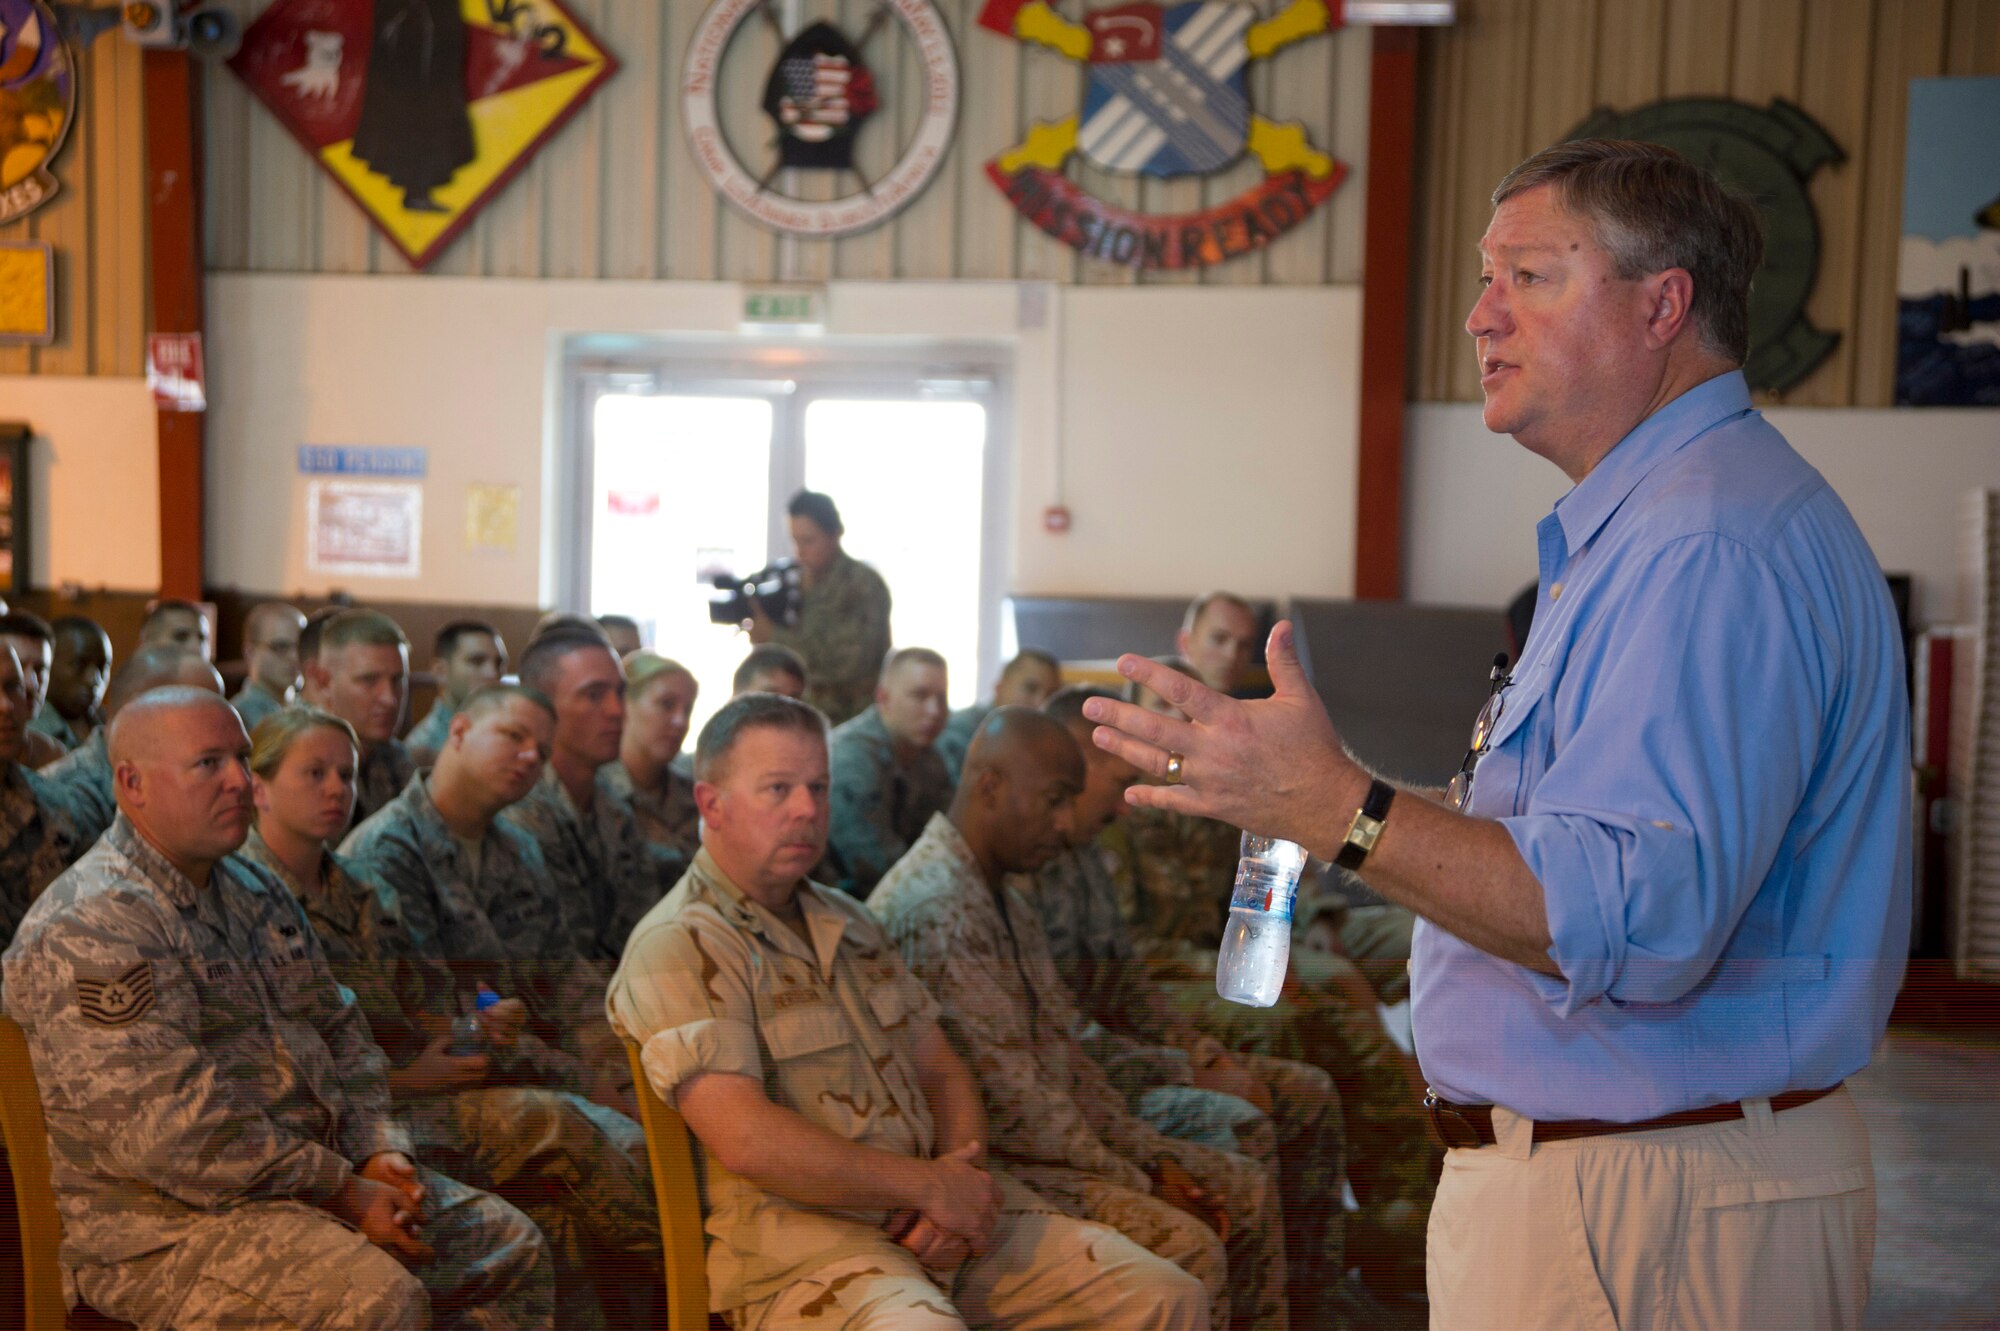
(287, 1266)
(578, 1169)
(1044, 1271)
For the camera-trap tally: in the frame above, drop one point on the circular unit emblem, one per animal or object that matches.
(37, 104)
(820, 96)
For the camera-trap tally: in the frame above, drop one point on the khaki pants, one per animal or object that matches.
(1761, 1223)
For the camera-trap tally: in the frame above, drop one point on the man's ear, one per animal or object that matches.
(130, 783)
(1669, 306)
(708, 799)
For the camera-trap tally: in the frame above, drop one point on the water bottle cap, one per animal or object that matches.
(486, 998)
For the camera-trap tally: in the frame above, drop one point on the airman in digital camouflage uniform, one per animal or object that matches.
(488, 1116)
(648, 776)
(846, 1179)
(1058, 1120)
(589, 837)
(271, 657)
(469, 655)
(843, 628)
(888, 778)
(37, 841)
(218, 1119)
(360, 671)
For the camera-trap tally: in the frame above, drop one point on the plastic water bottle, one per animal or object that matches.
(468, 1038)
(1258, 940)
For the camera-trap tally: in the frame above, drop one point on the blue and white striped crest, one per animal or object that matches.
(1186, 112)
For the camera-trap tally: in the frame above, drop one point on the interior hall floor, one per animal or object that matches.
(1932, 1104)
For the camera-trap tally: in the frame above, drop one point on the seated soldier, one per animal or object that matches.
(81, 780)
(659, 698)
(271, 660)
(37, 840)
(33, 642)
(218, 1119)
(474, 890)
(888, 777)
(1058, 1121)
(77, 677)
(497, 1118)
(770, 667)
(1025, 681)
(175, 623)
(1219, 639)
(622, 632)
(468, 655)
(600, 869)
(846, 1179)
(360, 671)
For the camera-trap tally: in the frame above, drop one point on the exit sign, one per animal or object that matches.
(795, 309)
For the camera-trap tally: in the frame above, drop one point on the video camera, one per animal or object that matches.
(776, 590)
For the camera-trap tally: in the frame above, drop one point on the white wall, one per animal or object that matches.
(1183, 427)
(1473, 498)
(95, 472)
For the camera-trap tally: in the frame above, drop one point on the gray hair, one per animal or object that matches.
(751, 711)
(1653, 209)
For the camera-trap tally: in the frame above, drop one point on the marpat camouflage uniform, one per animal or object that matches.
(577, 1169)
(956, 741)
(36, 843)
(253, 702)
(599, 861)
(880, 806)
(843, 634)
(1077, 903)
(668, 820)
(80, 783)
(1057, 1121)
(714, 982)
(385, 769)
(208, 1089)
(426, 738)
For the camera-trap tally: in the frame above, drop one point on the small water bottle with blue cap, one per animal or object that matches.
(1257, 942)
(468, 1037)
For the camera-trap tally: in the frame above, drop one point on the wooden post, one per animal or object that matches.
(1385, 312)
(173, 200)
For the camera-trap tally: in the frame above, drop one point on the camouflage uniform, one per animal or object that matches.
(599, 860)
(843, 634)
(36, 843)
(80, 782)
(48, 721)
(1092, 949)
(956, 740)
(426, 738)
(880, 806)
(577, 1169)
(253, 702)
(1056, 1118)
(490, 915)
(385, 769)
(208, 1088)
(668, 821)
(713, 982)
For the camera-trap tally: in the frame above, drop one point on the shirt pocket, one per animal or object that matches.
(892, 1004)
(805, 1032)
(1516, 751)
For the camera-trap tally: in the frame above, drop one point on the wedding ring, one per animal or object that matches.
(1174, 764)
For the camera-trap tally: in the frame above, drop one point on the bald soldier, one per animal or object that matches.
(81, 781)
(218, 1120)
(37, 839)
(271, 660)
(359, 670)
(888, 777)
(847, 1185)
(1058, 1121)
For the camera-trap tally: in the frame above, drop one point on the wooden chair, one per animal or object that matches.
(678, 1194)
(39, 1236)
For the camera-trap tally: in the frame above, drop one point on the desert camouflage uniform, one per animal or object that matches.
(80, 782)
(1175, 873)
(499, 922)
(253, 702)
(209, 1088)
(843, 634)
(36, 843)
(956, 741)
(426, 738)
(1092, 949)
(714, 982)
(1057, 1120)
(577, 1169)
(668, 821)
(880, 806)
(598, 860)
(384, 771)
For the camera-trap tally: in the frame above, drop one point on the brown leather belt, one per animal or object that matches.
(1458, 1125)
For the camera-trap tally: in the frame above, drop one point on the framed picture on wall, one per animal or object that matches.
(27, 293)
(14, 534)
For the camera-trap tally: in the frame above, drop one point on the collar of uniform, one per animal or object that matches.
(433, 834)
(1652, 441)
(942, 838)
(146, 858)
(256, 851)
(824, 923)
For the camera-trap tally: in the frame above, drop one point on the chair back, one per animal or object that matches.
(677, 1191)
(34, 1197)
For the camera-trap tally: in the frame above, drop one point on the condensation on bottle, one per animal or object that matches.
(1257, 942)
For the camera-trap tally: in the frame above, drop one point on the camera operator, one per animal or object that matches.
(843, 622)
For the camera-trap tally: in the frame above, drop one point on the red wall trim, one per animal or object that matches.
(1385, 315)
(173, 201)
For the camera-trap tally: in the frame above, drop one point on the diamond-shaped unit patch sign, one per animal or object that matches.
(422, 110)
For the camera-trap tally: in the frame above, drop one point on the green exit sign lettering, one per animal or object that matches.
(795, 309)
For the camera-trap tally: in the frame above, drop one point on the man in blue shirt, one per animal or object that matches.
(1666, 902)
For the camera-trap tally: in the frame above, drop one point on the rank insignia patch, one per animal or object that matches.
(117, 1000)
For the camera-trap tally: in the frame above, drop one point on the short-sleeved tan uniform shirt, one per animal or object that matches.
(713, 982)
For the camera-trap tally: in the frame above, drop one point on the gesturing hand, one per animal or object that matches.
(1274, 766)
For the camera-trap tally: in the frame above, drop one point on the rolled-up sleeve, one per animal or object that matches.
(683, 994)
(1669, 788)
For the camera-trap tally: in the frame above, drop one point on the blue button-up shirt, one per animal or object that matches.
(1704, 759)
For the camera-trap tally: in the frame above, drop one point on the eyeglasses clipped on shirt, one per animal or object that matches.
(1460, 788)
